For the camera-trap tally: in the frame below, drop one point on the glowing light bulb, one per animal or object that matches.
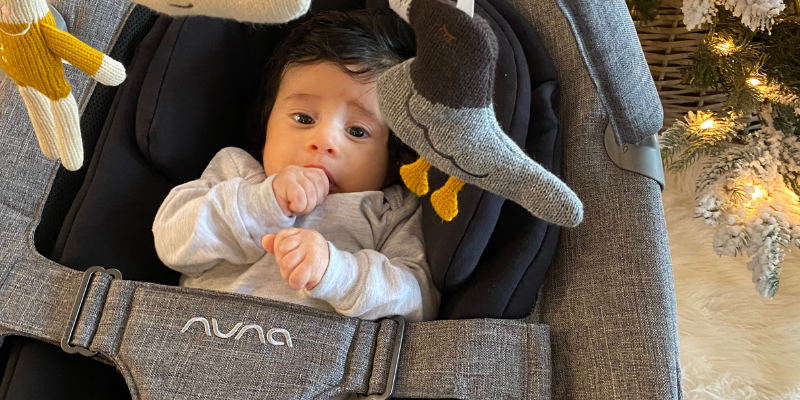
(708, 124)
(754, 81)
(725, 47)
(757, 192)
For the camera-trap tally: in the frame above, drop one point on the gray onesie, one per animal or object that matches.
(210, 230)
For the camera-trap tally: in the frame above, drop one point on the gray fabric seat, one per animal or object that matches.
(608, 298)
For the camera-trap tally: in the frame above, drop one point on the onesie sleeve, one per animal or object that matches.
(394, 280)
(221, 216)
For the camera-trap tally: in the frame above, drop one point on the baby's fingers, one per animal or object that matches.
(297, 197)
(289, 262)
(268, 243)
(311, 195)
(299, 277)
(287, 240)
(321, 183)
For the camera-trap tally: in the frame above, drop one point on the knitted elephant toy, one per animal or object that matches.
(440, 104)
(31, 50)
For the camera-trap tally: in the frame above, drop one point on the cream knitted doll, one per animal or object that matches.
(31, 50)
(258, 11)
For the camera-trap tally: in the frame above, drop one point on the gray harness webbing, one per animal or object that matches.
(181, 343)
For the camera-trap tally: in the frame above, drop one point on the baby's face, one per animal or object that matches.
(324, 118)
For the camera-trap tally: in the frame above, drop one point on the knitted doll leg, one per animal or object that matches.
(68, 132)
(42, 119)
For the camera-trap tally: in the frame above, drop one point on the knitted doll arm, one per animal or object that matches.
(99, 66)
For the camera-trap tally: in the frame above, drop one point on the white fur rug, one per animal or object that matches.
(734, 344)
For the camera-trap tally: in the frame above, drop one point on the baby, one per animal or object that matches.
(320, 222)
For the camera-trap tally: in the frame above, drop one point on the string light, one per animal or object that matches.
(753, 192)
(725, 47)
(709, 123)
(792, 195)
(754, 81)
(757, 192)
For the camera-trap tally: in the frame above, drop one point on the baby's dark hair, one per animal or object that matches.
(363, 43)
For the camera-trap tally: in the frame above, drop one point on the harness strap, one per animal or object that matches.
(176, 342)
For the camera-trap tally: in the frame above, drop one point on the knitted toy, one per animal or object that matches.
(258, 11)
(31, 50)
(440, 104)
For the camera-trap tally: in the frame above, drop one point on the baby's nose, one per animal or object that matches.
(5, 10)
(324, 140)
(322, 147)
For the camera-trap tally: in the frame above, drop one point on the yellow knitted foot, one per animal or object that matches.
(415, 176)
(445, 200)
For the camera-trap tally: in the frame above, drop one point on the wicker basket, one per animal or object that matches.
(667, 45)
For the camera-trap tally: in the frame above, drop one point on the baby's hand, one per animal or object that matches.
(299, 190)
(302, 255)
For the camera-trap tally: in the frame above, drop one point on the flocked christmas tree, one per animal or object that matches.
(749, 187)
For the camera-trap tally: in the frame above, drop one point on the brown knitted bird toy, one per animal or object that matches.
(440, 104)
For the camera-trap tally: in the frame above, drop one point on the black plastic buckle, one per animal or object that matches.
(76, 311)
(392, 377)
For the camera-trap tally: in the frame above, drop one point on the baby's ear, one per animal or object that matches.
(257, 11)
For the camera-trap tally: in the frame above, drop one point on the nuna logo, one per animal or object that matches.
(269, 337)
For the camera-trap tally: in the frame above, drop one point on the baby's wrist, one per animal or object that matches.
(282, 203)
(330, 283)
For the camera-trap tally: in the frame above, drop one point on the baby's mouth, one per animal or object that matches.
(190, 5)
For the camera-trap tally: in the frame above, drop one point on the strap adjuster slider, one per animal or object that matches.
(392, 376)
(76, 310)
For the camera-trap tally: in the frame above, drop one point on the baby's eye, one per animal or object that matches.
(356, 131)
(304, 119)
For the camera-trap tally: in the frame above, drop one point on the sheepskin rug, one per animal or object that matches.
(734, 344)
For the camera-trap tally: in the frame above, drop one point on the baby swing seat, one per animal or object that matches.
(189, 82)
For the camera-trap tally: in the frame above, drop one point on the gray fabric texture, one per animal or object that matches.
(609, 297)
(604, 32)
(143, 329)
(26, 175)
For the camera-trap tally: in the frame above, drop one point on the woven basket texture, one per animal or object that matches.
(667, 46)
